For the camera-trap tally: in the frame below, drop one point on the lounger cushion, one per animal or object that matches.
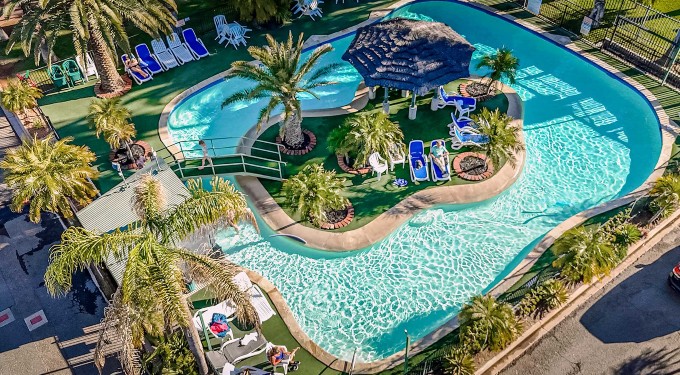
(234, 350)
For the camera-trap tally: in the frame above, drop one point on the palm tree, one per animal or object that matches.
(96, 25)
(666, 195)
(543, 298)
(315, 192)
(504, 138)
(153, 281)
(46, 175)
(281, 77)
(458, 362)
(487, 323)
(502, 64)
(262, 11)
(583, 253)
(19, 96)
(110, 118)
(366, 133)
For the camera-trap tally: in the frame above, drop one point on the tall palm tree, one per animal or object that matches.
(153, 281)
(366, 133)
(666, 194)
(315, 192)
(502, 64)
(19, 96)
(504, 138)
(262, 11)
(46, 174)
(583, 253)
(458, 362)
(282, 77)
(96, 25)
(487, 323)
(110, 119)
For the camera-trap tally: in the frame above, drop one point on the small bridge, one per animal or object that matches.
(231, 155)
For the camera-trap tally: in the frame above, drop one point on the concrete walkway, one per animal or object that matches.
(63, 338)
(631, 327)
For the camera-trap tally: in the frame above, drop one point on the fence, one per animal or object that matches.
(631, 31)
(41, 78)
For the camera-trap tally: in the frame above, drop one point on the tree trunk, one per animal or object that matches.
(110, 80)
(129, 151)
(194, 341)
(292, 131)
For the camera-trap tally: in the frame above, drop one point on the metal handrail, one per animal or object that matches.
(174, 159)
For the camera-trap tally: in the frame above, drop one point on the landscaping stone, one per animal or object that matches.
(337, 220)
(347, 169)
(307, 146)
(464, 166)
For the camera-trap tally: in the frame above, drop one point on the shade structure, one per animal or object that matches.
(410, 55)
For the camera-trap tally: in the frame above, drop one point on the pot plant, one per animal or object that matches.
(317, 194)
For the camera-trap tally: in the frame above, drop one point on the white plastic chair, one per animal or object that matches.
(179, 49)
(220, 22)
(397, 155)
(378, 164)
(87, 67)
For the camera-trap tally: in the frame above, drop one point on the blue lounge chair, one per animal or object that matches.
(437, 173)
(73, 71)
(464, 105)
(462, 138)
(58, 77)
(137, 76)
(463, 123)
(194, 43)
(417, 161)
(148, 58)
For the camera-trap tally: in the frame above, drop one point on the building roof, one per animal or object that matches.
(113, 210)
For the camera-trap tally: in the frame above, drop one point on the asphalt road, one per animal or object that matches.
(631, 327)
(63, 339)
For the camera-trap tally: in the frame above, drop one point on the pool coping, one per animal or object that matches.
(380, 227)
(668, 131)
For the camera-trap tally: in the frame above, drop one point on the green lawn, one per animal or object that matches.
(276, 332)
(68, 109)
(369, 196)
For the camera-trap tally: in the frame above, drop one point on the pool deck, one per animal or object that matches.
(669, 131)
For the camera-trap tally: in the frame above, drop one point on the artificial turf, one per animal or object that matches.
(369, 195)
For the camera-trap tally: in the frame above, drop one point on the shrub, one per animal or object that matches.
(487, 323)
(543, 298)
(315, 192)
(583, 253)
(366, 133)
(171, 356)
(665, 195)
(458, 361)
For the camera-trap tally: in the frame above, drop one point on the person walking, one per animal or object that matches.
(204, 148)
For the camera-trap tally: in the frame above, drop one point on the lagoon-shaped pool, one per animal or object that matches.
(590, 138)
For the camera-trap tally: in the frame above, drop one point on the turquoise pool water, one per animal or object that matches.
(590, 138)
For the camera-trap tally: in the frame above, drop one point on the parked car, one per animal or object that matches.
(674, 278)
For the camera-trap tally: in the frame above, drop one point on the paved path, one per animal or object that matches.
(64, 344)
(633, 327)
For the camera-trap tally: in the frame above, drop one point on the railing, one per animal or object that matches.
(631, 31)
(229, 155)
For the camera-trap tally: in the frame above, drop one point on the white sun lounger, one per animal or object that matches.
(257, 297)
(165, 57)
(179, 49)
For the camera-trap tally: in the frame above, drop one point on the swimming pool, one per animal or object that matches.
(590, 138)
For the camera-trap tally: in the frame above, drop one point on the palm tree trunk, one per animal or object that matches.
(292, 134)
(194, 341)
(129, 151)
(111, 81)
